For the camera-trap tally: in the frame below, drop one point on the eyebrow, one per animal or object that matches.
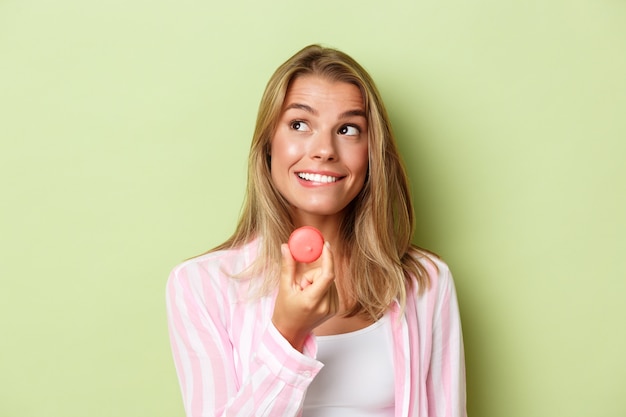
(309, 109)
(356, 112)
(304, 107)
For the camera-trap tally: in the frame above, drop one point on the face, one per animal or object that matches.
(319, 152)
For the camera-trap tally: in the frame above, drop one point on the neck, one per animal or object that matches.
(328, 225)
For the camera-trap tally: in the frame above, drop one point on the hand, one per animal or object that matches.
(306, 300)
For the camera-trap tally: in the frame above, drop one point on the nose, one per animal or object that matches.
(323, 147)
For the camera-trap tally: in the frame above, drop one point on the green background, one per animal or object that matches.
(125, 127)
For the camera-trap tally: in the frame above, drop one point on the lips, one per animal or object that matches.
(319, 178)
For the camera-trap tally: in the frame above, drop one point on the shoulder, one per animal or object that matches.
(437, 302)
(227, 261)
(439, 275)
(213, 271)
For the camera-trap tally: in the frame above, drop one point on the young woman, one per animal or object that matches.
(372, 327)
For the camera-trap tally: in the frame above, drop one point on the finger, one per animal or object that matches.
(287, 267)
(320, 284)
(328, 262)
(305, 281)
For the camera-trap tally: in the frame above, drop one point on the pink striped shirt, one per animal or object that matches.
(231, 360)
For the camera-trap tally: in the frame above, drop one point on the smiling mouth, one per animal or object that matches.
(324, 179)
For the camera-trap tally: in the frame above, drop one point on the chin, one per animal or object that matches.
(322, 211)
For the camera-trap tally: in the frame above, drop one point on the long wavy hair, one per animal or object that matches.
(376, 233)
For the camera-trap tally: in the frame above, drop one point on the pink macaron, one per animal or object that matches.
(305, 244)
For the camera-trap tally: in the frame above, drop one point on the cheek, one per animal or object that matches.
(284, 152)
(361, 162)
(279, 158)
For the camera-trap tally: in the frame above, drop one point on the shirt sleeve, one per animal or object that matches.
(204, 357)
(445, 383)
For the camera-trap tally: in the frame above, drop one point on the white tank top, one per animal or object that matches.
(357, 379)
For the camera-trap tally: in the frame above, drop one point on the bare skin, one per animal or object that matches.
(309, 302)
(304, 300)
(319, 159)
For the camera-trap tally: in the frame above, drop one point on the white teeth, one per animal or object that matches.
(317, 177)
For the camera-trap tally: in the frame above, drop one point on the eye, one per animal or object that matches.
(349, 130)
(299, 125)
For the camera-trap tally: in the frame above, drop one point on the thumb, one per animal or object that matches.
(287, 267)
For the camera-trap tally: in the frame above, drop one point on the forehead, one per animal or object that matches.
(321, 90)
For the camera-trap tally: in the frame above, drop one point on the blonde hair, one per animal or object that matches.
(377, 229)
